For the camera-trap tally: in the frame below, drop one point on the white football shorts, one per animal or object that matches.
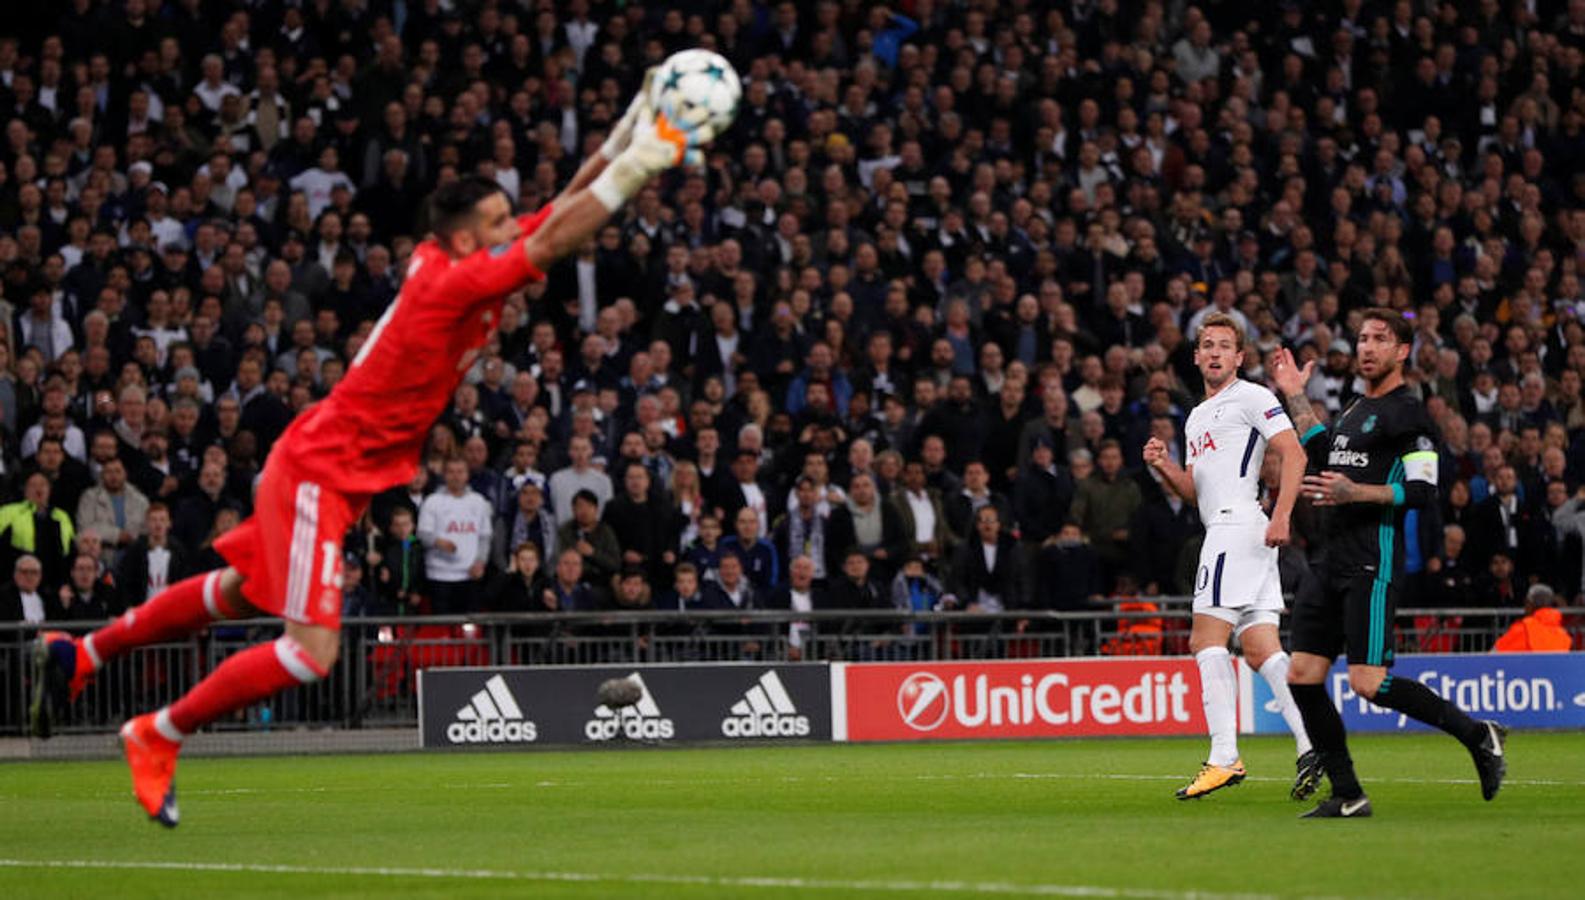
(1238, 581)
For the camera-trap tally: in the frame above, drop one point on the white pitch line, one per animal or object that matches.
(796, 779)
(1507, 782)
(343, 789)
(1002, 888)
(1032, 776)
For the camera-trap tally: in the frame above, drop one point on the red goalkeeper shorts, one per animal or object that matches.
(289, 550)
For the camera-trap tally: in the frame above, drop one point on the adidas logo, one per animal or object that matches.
(765, 711)
(492, 717)
(643, 721)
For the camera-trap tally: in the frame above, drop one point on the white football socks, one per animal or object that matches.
(1219, 693)
(1275, 671)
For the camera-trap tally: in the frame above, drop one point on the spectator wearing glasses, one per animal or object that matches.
(23, 600)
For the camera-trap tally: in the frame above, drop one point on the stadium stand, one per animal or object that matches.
(951, 256)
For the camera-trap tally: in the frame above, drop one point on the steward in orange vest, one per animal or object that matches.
(1539, 632)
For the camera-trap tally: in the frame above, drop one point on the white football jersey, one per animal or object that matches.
(1227, 436)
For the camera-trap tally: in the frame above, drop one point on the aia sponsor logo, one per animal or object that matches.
(1201, 445)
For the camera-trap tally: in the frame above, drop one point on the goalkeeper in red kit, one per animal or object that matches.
(366, 436)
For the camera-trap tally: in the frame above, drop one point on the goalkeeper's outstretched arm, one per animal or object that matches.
(586, 174)
(653, 146)
(620, 136)
(572, 221)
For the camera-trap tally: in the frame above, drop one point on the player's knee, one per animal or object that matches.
(231, 602)
(1259, 643)
(1306, 669)
(326, 656)
(1208, 633)
(1365, 683)
(310, 651)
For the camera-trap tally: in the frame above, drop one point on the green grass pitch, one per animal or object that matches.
(1078, 818)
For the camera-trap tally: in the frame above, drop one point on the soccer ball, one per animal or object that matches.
(695, 87)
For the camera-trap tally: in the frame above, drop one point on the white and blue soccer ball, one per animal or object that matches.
(695, 87)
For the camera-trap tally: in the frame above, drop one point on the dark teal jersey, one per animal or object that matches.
(1377, 440)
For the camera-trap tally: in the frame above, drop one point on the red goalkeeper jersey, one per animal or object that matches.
(368, 434)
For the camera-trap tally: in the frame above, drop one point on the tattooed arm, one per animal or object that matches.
(1290, 381)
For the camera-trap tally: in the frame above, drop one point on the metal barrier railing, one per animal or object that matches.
(374, 682)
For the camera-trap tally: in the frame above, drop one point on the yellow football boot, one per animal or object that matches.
(1212, 778)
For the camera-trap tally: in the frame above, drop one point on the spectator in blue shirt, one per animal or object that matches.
(704, 554)
(820, 365)
(890, 31)
(760, 562)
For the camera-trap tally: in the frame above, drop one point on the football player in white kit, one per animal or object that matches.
(1237, 592)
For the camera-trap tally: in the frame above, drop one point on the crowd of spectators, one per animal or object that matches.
(897, 344)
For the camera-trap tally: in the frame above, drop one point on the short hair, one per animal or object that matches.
(586, 496)
(453, 205)
(1401, 330)
(1222, 320)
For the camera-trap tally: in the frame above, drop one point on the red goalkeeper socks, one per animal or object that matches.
(184, 608)
(242, 680)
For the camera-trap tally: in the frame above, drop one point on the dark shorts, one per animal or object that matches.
(1352, 612)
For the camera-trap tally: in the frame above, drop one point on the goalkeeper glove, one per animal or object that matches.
(655, 146)
(622, 132)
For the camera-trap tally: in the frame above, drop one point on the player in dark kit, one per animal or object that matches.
(1377, 461)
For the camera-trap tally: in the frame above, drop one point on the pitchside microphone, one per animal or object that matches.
(616, 693)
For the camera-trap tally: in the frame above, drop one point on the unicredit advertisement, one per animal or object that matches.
(1015, 699)
(1520, 690)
